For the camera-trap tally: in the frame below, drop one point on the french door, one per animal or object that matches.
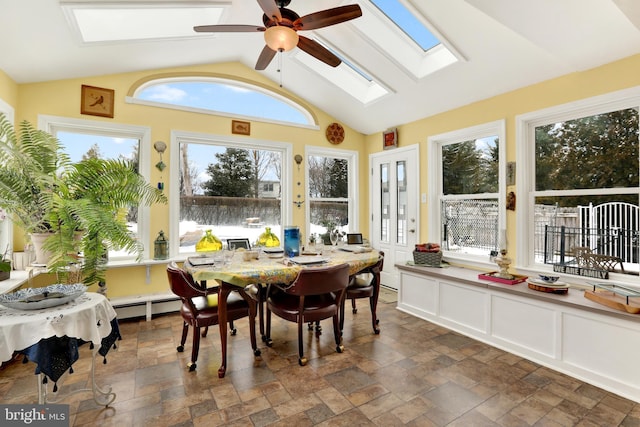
(394, 207)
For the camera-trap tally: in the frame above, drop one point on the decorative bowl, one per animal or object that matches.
(250, 255)
(548, 279)
(37, 298)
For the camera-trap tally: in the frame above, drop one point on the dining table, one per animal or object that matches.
(238, 273)
(50, 337)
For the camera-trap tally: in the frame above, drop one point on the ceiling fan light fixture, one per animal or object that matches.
(281, 38)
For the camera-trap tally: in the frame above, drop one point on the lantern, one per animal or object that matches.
(161, 247)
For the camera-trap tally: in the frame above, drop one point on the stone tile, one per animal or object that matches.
(414, 373)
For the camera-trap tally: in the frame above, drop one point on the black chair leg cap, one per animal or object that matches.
(180, 349)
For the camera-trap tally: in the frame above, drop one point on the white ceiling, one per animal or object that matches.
(505, 44)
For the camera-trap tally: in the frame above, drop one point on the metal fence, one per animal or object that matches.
(470, 224)
(560, 243)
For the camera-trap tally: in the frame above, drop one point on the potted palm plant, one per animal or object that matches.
(80, 206)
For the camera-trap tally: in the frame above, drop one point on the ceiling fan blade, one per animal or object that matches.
(228, 28)
(324, 18)
(270, 9)
(318, 51)
(265, 58)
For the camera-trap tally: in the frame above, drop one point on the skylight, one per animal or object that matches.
(403, 34)
(347, 76)
(407, 22)
(118, 21)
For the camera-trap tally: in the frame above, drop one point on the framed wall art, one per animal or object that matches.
(97, 101)
(240, 127)
(390, 138)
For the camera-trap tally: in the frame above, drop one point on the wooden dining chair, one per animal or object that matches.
(316, 294)
(365, 284)
(200, 308)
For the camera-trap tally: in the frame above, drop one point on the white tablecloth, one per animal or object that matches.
(88, 318)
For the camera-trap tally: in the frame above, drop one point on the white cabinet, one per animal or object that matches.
(568, 333)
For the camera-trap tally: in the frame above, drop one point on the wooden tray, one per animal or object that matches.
(494, 278)
(549, 289)
(613, 300)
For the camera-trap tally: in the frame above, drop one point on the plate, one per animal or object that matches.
(308, 260)
(37, 298)
(276, 250)
(557, 284)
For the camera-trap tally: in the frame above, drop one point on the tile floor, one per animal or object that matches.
(414, 373)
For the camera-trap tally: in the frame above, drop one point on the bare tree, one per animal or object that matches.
(185, 171)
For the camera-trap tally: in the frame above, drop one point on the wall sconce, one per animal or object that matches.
(298, 159)
(160, 147)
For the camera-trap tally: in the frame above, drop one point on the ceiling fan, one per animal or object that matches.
(281, 26)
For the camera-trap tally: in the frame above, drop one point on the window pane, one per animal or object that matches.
(470, 226)
(328, 195)
(401, 214)
(599, 151)
(81, 146)
(385, 208)
(470, 167)
(235, 192)
(606, 225)
(221, 97)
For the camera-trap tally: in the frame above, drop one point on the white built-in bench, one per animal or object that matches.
(145, 305)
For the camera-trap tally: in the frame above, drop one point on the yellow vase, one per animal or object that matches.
(208, 243)
(268, 239)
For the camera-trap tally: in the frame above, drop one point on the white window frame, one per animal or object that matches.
(178, 137)
(434, 147)
(6, 226)
(352, 164)
(525, 157)
(54, 124)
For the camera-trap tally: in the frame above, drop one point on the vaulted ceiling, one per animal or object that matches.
(498, 46)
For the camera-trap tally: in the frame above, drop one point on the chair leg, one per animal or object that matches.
(232, 329)
(261, 303)
(185, 330)
(374, 317)
(267, 338)
(301, 359)
(194, 350)
(337, 334)
(205, 331)
(354, 310)
(342, 315)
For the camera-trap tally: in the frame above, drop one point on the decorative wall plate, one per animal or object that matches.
(335, 133)
(37, 298)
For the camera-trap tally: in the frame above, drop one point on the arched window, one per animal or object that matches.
(223, 97)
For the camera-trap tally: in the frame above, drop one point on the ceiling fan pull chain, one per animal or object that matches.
(280, 65)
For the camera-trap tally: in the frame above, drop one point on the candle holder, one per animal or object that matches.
(504, 262)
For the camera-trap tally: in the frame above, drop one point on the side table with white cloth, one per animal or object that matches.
(50, 337)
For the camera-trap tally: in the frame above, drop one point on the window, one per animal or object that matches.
(219, 185)
(584, 168)
(86, 138)
(331, 184)
(466, 191)
(222, 96)
(407, 22)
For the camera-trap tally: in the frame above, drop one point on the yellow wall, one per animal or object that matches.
(8, 90)
(62, 98)
(615, 76)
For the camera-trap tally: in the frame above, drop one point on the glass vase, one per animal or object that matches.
(268, 239)
(208, 243)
